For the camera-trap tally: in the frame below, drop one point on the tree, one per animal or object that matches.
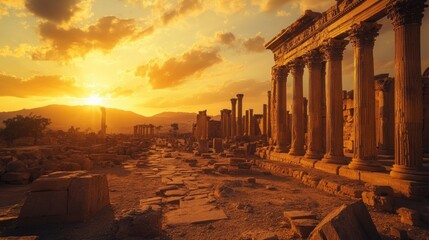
(24, 126)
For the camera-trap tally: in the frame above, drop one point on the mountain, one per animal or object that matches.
(89, 117)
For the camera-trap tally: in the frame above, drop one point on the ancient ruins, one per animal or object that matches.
(339, 165)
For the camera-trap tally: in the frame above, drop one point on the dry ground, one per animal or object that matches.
(251, 209)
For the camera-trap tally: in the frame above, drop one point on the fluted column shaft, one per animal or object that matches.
(264, 121)
(406, 16)
(246, 125)
(280, 76)
(297, 144)
(269, 115)
(233, 118)
(315, 99)
(362, 36)
(240, 114)
(333, 53)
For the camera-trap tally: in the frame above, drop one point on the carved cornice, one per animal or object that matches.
(313, 58)
(403, 12)
(333, 49)
(364, 33)
(280, 73)
(384, 84)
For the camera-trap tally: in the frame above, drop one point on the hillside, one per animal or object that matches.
(118, 121)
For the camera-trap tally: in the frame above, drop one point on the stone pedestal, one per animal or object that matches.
(297, 71)
(315, 121)
(280, 75)
(406, 16)
(362, 36)
(333, 51)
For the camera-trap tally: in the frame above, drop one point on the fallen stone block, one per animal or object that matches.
(139, 223)
(380, 203)
(303, 227)
(346, 222)
(409, 216)
(292, 215)
(236, 161)
(65, 197)
(244, 165)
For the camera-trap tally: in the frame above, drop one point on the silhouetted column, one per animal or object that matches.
(264, 122)
(362, 37)
(297, 71)
(233, 119)
(240, 114)
(280, 76)
(315, 122)
(385, 115)
(246, 126)
(333, 51)
(251, 123)
(269, 115)
(406, 16)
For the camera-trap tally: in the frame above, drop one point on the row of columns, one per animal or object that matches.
(406, 16)
(144, 130)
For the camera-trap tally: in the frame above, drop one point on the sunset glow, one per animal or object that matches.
(154, 56)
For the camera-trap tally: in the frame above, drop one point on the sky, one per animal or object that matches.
(152, 56)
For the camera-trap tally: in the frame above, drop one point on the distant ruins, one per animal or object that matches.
(382, 115)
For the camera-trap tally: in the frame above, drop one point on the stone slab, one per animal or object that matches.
(178, 192)
(292, 215)
(328, 167)
(349, 173)
(194, 214)
(308, 162)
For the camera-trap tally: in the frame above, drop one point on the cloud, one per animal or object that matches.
(22, 50)
(66, 43)
(251, 88)
(270, 5)
(176, 70)
(183, 8)
(58, 11)
(119, 92)
(52, 86)
(230, 6)
(254, 44)
(226, 38)
(7, 5)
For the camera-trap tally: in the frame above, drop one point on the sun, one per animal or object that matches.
(94, 100)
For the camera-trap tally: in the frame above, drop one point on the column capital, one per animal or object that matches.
(333, 48)
(240, 96)
(296, 65)
(364, 33)
(269, 93)
(313, 58)
(403, 12)
(233, 101)
(280, 72)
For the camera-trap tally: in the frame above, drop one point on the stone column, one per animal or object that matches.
(362, 37)
(240, 114)
(251, 123)
(228, 123)
(385, 115)
(315, 122)
(333, 52)
(205, 124)
(264, 122)
(297, 144)
(246, 125)
(280, 76)
(152, 130)
(233, 119)
(269, 116)
(222, 123)
(406, 16)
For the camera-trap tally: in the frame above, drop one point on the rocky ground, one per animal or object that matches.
(229, 203)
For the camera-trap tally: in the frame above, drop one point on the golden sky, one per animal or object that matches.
(151, 56)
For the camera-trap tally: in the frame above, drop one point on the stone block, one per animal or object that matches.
(303, 227)
(381, 203)
(236, 161)
(351, 191)
(409, 216)
(346, 222)
(401, 234)
(65, 197)
(141, 224)
(327, 167)
(308, 162)
(349, 173)
(375, 178)
(16, 166)
(296, 214)
(379, 190)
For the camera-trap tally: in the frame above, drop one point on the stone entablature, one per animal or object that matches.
(312, 29)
